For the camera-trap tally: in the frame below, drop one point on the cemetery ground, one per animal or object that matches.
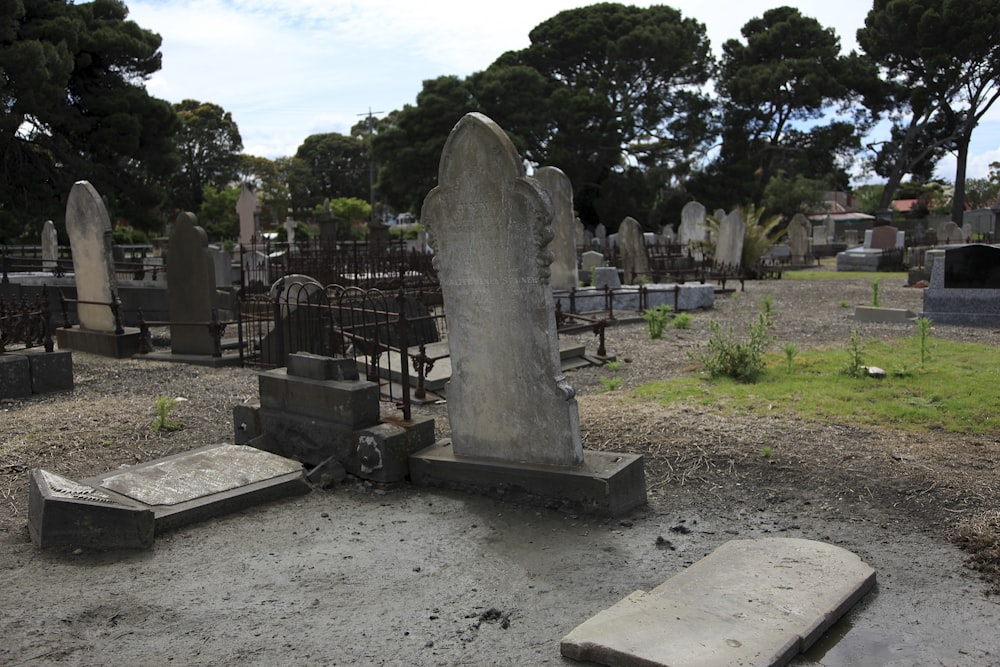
(401, 576)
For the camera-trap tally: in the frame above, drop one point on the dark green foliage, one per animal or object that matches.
(74, 108)
(209, 145)
(740, 360)
(335, 166)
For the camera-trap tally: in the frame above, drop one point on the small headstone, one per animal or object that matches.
(729, 245)
(851, 237)
(951, 234)
(589, 261)
(89, 230)
(490, 227)
(190, 288)
(692, 229)
(798, 238)
(634, 259)
(289, 225)
(580, 235)
(883, 237)
(564, 226)
(50, 246)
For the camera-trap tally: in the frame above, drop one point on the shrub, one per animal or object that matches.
(682, 321)
(741, 360)
(656, 319)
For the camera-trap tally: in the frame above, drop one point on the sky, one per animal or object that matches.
(287, 69)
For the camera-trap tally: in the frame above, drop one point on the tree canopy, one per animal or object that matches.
(74, 108)
(940, 64)
(210, 146)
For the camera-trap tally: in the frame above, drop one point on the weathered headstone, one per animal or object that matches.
(634, 259)
(729, 245)
(246, 208)
(580, 234)
(589, 261)
(89, 229)
(692, 229)
(289, 225)
(951, 233)
(190, 288)
(50, 246)
(490, 228)
(514, 420)
(564, 226)
(798, 238)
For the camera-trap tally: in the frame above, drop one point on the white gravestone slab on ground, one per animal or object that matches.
(564, 226)
(89, 230)
(490, 227)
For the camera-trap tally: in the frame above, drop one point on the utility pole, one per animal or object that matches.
(371, 166)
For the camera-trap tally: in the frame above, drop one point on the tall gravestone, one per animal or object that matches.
(89, 229)
(601, 235)
(798, 238)
(514, 423)
(50, 246)
(190, 288)
(560, 190)
(635, 261)
(729, 245)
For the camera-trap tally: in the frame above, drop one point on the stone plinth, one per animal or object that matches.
(607, 484)
(103, 343)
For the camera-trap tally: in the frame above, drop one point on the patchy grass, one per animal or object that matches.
(950, 392)
(846, 275)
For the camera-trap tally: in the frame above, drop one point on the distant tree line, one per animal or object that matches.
(630, 102)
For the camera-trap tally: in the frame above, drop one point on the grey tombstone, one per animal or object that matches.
(190, 288)
(490, 227)
(634, 259)
(692, 229)
(289, 225)
(589, 261)
(831, 229)
(515, 428)
(50, 246)
(729, 245)
(851, 237)
(246, 208)
(798, 238)
(89, 230)
(951, 233)
(601, 235)
(580, 235)
(564, 226)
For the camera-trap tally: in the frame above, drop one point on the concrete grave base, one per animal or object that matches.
(607, 484)
(749, 602)
(118, 346)
(125, 508)
(887, 315)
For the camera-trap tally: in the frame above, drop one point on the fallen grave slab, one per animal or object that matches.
(748, 603)
(125, 508)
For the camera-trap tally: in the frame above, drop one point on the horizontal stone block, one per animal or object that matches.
(51, 371)
(306, 439)
(15, 376)
(118, 346)
(606, 484)
(246, 422)
(64, 513)
(319, 367)
(354, 404)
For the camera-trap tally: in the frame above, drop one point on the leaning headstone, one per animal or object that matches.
(89, 230)
(190, 289)
(564, 245)
(634, 259)
(798, 238)
(514, 423)
(729, 245)
(50, 246)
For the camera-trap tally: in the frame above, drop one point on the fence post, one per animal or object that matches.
(404, 354)
(47, 320)
(145, 341)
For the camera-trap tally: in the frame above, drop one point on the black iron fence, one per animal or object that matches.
(26, 323)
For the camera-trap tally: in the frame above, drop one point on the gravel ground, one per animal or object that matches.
(854, 485)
